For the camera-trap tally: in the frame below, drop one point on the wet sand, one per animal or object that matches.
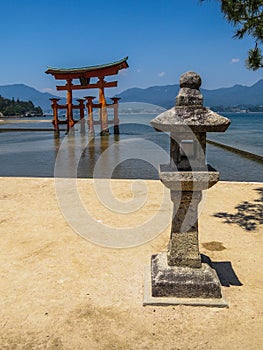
(60, 291)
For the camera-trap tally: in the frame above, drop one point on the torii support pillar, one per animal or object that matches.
(81, 107)
(116, 114)
(104, 128)
(70, 120)
(55, 122)
(89, 106)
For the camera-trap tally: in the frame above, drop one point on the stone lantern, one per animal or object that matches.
(179, 276)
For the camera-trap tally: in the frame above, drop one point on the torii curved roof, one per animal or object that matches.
(88, 72)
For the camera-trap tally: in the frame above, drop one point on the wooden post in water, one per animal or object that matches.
(89, 105)
(116, 114)
(104, 128)
(55, 122)
(70, 120)
(81, 107)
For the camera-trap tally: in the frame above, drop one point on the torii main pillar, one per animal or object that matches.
(104, 127)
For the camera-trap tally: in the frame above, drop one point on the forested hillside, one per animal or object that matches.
(18, 108)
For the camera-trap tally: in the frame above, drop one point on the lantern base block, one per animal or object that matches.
(172, 285)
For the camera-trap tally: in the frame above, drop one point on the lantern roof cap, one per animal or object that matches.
(189, 111)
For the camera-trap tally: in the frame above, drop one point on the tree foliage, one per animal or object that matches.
(11, 107)
(247, 17)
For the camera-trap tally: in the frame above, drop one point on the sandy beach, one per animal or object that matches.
(61, 291)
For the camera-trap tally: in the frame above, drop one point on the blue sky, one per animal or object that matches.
(163, 39)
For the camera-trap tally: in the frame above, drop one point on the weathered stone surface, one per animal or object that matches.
(187, 180)
(178, 196)
(189, 94)
(183, 250)
(190, 80)
(189, 97)
(185, 212)
(185, 118)
(183, 282)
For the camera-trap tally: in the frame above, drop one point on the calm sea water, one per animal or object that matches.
(135, 153)
(245, 132)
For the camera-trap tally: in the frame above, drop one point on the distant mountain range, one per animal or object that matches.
(163, 96)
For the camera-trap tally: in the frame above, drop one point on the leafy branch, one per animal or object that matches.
(247, 17)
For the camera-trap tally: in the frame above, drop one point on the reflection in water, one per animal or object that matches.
(128, 169)
(128, 155)
(57, 143)
(122, 156)
(135, 153)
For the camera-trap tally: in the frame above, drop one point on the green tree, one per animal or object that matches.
(247, 18)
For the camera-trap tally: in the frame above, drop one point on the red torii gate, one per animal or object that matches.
(84, 75)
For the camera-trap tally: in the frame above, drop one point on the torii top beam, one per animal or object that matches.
(99, 71)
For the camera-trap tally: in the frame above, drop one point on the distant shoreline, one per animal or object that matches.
(39, 119)
(22, 117)
(22, 120)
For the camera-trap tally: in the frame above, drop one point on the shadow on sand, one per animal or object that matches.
(249, 215)
(224, 270)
